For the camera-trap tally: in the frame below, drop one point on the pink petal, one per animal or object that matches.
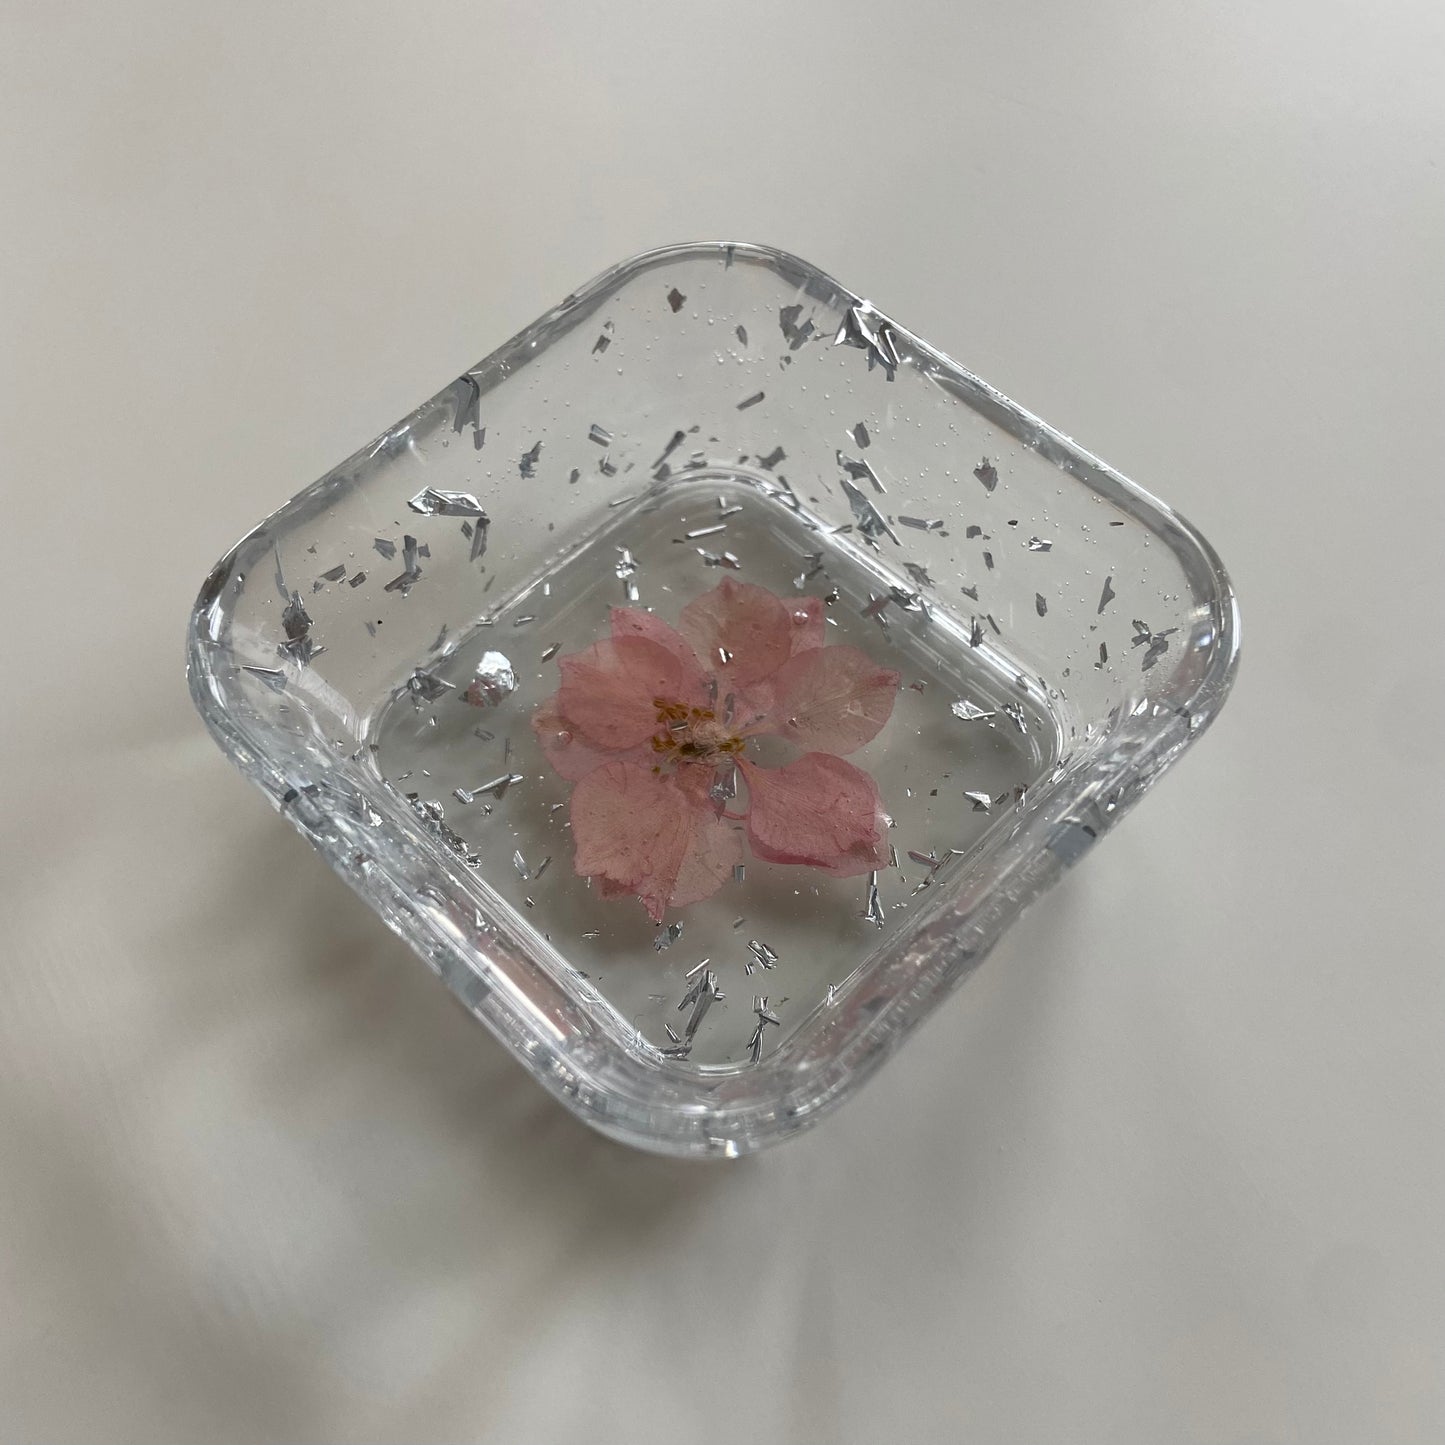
(832, 699)
(819, 811)
(739, 631)
(609, 690)
(633, 829)
(808, 627)
(716, 847)
(653, 836)
(570, 755)
(634, 622)
(753, 705)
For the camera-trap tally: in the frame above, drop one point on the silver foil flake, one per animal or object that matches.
(427, 687)
(975, 633)
(357, 579)
(697, 532)
(725, 787)
(762, 955)
(966, 711)
(604, 339)
(1041, 605)
(982, 803)
(411, 568)
(550, 651)
(922, 524)
(334, 574)
(987, 473)
(433, 817)
(860, 436)
(872, 906)
(1015, 715)
(524, 619)
(528, 461)
(520, 864)
(794, 334)
(542, 867)
(494, 679)
(666, 937)
(678, 437)
(740, 872)
(1107, 595)
(719, 559)
(675, 299)
(859, 470)
(928, 860)
(469, 402)
(988, 560)
(296, 624)
(775, 456)
(498, 786)
(1103, 656)
(626, 563)
(1037, 544)
(600, 435)
(752, 400)
(918, 573)
(273, 677)
(433, 503)
(1158, 646)
(741, 332)
(765, 1016)
(864, 327)
(871, 522)
(1155, 643)
(479, 536)
(699, 998)
(479, 438)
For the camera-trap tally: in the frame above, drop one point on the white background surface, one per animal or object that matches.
(1170, 1168)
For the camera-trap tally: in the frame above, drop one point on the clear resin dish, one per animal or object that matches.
(383, 657)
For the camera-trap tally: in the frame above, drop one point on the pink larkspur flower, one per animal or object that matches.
(647, 720)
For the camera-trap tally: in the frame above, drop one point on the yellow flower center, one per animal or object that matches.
(693, 734)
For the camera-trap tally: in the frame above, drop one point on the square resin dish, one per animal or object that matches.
(373, 655)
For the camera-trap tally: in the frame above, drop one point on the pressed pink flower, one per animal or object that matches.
(646, 720)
